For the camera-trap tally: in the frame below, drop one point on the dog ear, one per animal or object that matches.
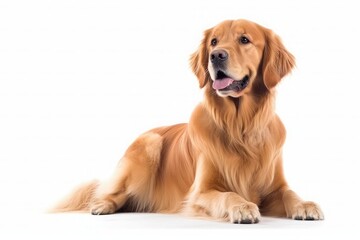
(199, 61)
(277, 61)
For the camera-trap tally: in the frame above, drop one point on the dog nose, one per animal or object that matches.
(218, 56)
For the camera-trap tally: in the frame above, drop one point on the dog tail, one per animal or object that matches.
(79, 200)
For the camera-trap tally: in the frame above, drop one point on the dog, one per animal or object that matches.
(226, 163)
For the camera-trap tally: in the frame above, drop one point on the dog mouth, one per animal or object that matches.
(224, 83)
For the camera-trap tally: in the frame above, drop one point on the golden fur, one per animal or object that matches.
(226, 163)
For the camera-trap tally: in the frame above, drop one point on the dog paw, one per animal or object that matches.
(103, 207)
(245, 213)
(307, 211)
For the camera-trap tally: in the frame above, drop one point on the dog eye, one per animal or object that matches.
(244, 40)
(214, 42)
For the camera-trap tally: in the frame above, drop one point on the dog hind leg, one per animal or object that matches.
(134, 178)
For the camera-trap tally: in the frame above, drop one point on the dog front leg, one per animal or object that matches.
(205, 198)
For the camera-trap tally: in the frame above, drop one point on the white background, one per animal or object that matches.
(80, 80)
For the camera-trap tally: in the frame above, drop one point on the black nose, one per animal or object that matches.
(218, 57)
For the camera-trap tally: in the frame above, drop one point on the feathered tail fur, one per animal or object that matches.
(79, 200)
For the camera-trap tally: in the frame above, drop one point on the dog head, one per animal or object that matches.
(237, 53)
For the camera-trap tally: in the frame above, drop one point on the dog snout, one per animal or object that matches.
(218, 57)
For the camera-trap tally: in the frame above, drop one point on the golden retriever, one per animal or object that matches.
(226, 163)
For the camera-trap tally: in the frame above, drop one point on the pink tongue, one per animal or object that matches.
(221, 84)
